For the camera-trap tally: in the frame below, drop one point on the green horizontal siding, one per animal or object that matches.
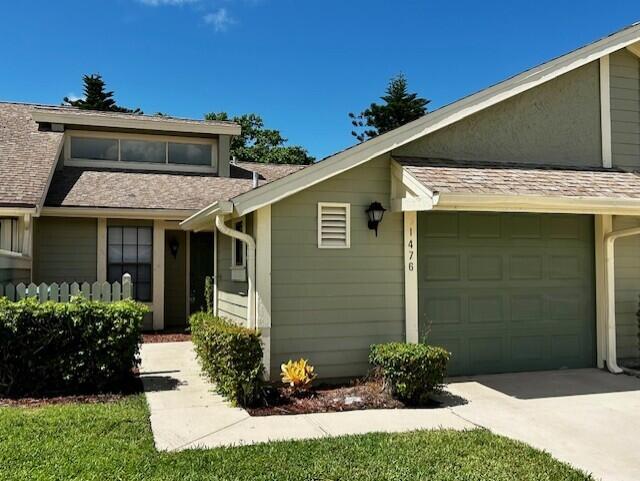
(625, 109)
(330, 305)
(627, 272)
(65, 250)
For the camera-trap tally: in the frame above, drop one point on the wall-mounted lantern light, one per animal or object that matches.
(375, 213)
(174, 245)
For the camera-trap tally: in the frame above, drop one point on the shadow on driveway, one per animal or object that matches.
(550, 384)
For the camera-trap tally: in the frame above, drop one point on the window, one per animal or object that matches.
(143, 151)
(130, 251)
(9, 234)
(94, 149)
(152, 149)
(192, 154)
(334, 225)
(238, 247)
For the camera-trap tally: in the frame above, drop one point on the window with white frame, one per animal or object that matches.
(334, 225)
(9, 234)
(238, 248)
(141, 149)
(130, 250)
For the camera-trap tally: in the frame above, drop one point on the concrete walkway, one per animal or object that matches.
(586, 417)
(186, 413)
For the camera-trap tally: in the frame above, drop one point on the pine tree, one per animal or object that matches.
(400, 107)
(96, 97)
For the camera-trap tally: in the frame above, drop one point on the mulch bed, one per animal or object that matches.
(155, 337)
(132, 386)
(361, 395)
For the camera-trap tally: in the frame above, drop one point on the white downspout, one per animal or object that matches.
(609, 257)
(251, 266)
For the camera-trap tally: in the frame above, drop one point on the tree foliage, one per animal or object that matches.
(399, 107)
(259, 144)
(96, 97)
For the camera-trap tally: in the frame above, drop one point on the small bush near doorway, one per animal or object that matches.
(67, 348)
(230, 355)
(411, 371)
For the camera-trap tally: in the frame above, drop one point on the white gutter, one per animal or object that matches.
(251, 266)
(609, 258)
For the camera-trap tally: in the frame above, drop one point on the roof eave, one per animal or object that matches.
(537, 204)
(201, 219)
(141, 123)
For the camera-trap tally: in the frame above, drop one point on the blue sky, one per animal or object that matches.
(301, 65)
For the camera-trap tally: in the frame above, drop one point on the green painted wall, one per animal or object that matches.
(330, 305)
(175, 280)
(627, 263)
(14, 276)
(625, 109)
(232, 295)
(555, 123)
(65, 250)
(507, 292)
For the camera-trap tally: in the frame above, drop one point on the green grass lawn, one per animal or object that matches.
(113, 441)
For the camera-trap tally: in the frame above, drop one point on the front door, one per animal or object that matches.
(202, 265)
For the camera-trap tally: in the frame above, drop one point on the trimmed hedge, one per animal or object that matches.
(411, 371)
(230, 355)
(76, 347)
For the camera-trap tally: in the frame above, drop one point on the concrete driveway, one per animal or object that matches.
(586, 417)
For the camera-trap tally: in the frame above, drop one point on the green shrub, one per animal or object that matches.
(79, 346)
(230, 355)
(411, 371)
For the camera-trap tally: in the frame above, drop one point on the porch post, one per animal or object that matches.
(101, 268)
(603, 225)
(411, 276)
(262, 229)
(158, 275)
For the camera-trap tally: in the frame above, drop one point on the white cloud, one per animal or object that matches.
(220, 20)
(158, 3)
(73, 97)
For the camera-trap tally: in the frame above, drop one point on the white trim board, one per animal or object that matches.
(436, 120)
(137, 122)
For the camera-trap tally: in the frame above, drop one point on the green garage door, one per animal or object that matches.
(507, 292)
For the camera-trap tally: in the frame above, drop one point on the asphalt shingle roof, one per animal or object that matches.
(105, 188)
(494, 178)
(27, 156)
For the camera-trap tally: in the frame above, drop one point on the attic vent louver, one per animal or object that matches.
(334, 225)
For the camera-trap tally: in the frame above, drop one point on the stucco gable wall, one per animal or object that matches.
(555, 123)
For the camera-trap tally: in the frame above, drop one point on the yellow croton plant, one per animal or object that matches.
(297, 374)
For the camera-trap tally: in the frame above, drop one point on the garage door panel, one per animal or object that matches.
(442, 268)
(508, 292)
(486, 309)
(525, 267)
(481, 226)
(531, 348)
(484, 267)
(526, 307)
(443, 309)
(524, 226)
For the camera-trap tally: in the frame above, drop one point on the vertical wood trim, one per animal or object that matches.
(411, 276)
(215, 273)
(262, 229)
(605, 111)
(188, 274)
(603, 225)
(101, 252)
(158, 274)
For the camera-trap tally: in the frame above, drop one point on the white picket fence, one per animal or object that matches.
(98, 291)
